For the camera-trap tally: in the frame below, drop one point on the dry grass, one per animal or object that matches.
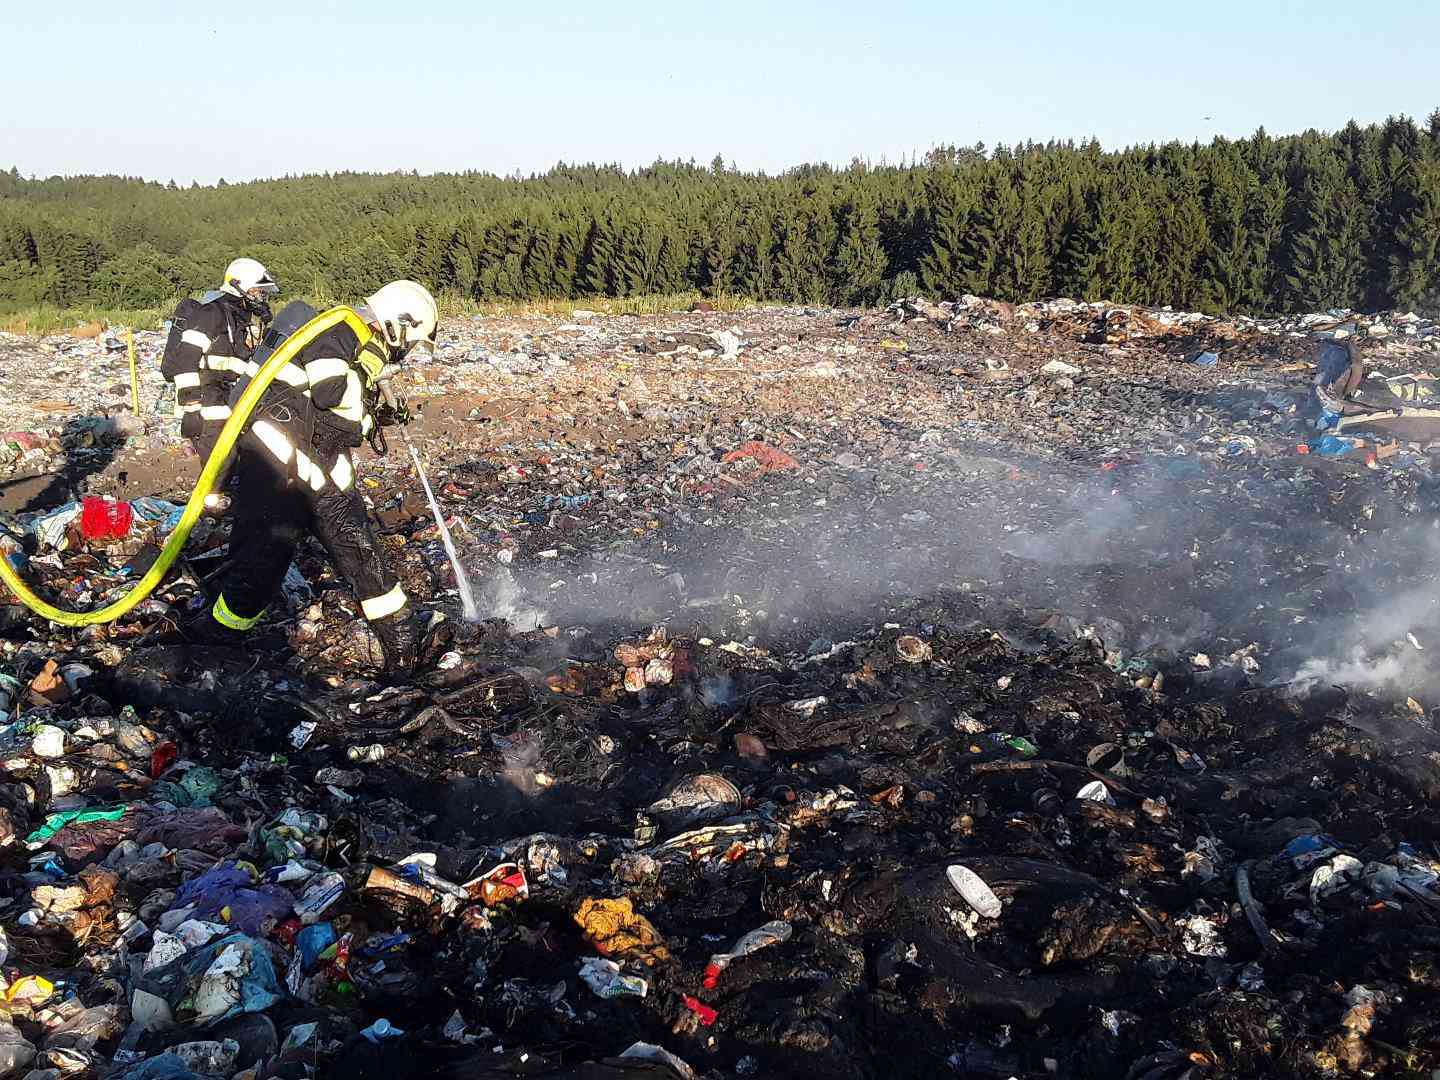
(45, 319)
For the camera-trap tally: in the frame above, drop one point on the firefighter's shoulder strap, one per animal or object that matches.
(297, 342)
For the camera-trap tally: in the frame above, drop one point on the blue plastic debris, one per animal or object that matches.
(314, 940)
(1332, 446)
(380, 1030)
(1304, 845)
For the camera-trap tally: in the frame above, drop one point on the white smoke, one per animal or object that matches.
(1397, 672)
(505, 598)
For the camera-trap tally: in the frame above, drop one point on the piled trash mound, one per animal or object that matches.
(658, 394)
(1184, 334)
(877, 694)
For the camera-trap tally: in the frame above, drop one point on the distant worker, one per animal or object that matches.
(209, 346)
(1353, 400)
(294, 472)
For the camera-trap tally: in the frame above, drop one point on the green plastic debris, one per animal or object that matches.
(201, 783)
(55, 822)
(1022, 745)
(196, 788)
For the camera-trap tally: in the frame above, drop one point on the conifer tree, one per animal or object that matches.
(1414, 270)
(537, 268)
(1033, 271)
(1118, 243)
(568, 247)
(463, 257)
(860, 264)
(753, 266)
(1184, 240)
(1326, 259)
(597, 266)
(994, 234)
(945, 270)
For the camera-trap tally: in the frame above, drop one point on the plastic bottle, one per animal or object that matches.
(772, 933)
(381, 1030)
(973, 888)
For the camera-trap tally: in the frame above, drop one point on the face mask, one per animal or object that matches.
(258, 307)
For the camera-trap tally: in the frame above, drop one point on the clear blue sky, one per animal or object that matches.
(200, 90)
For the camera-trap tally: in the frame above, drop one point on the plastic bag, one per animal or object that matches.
(86, 1028)
(164, 1067)
(244, 982)
(15, 1052)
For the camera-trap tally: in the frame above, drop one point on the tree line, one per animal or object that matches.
(1262, 224)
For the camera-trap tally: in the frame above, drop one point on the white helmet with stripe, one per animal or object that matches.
(405, 313)
(248, 277)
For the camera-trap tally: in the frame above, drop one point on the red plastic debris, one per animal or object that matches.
(707, 1015)
(105, 519)
(163, 757)
(337, 958)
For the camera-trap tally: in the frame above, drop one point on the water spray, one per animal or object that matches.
(462, 579)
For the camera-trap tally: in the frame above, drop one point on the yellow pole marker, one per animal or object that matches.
(134, 375)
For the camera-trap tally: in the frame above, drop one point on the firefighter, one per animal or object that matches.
(209, 343)
(294, 471)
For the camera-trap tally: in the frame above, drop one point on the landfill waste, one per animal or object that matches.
(860, 699)
(976, 893)
(772, 933)
(608, 981)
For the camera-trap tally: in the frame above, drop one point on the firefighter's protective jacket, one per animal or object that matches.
(207, 350)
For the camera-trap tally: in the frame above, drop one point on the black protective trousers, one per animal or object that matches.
(204, 433)
(204, 443)
(272, 513)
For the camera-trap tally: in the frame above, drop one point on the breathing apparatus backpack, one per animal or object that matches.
(292, 317)
(175, 326)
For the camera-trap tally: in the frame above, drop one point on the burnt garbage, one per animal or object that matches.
(945, 848)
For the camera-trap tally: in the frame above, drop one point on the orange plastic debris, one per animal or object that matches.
(769, 458)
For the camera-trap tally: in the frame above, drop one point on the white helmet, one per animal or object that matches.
(244, 276)
(406, 314)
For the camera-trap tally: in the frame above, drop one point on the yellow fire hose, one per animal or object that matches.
(229, 434)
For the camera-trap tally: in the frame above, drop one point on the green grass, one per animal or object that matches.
(45, 319)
